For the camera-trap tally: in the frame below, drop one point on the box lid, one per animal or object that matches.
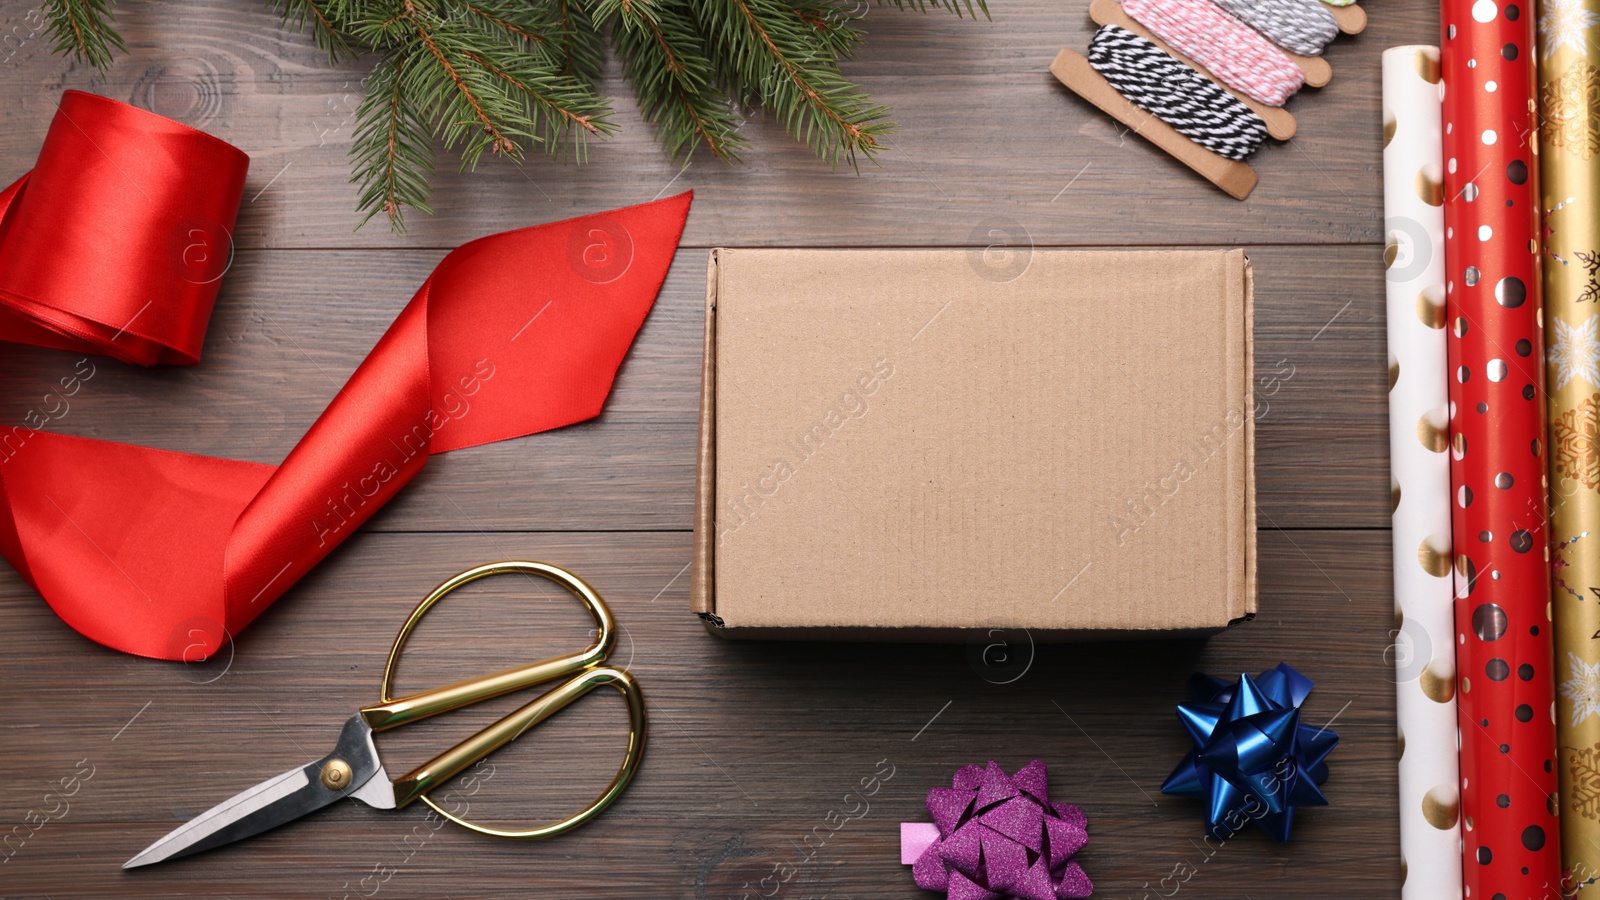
(924, 440)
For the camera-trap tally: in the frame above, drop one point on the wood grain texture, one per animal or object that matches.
(985, 131)
(752, 745)
(282, 343)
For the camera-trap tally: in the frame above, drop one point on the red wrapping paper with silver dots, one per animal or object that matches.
(1496, 446)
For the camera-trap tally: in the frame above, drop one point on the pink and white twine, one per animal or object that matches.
(1226, 47)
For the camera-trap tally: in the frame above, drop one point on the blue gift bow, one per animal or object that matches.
(1252, 759)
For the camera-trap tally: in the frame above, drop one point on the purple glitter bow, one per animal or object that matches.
(1001, 837)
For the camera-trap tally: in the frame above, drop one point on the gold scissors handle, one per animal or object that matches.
(392, 713)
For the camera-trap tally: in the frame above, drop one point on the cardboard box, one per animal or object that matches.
(914, 444)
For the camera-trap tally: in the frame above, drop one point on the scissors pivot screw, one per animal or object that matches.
(336, 775)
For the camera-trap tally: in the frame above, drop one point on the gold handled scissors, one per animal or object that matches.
(354, 768)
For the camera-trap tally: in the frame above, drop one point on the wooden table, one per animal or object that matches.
(753, 746)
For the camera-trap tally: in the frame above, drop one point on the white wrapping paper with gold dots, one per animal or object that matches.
(1419, 469)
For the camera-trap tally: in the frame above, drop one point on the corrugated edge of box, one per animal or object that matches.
(701, 596)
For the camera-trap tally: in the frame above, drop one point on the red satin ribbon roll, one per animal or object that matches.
(168, 555)
(1497, 420)
(117, 240)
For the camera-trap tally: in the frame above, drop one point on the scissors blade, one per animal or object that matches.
(275, 801)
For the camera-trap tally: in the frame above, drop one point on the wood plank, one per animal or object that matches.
(986, 131)
(281, 344)
(752, 745)
(741, 767)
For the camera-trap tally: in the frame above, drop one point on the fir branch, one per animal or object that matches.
(508, 75)
(560, 107)
(328, 20)
(771, 51)
(381, 24)
(529, 26)
(456, 100)
(503, 20)
(581, 43)
(83, 30)
(675, 81)
(470, 76)
(830, 23)
(392, 154)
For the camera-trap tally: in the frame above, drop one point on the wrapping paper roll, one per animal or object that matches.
(1569, 177)
(1500, 517)
(1419, 472)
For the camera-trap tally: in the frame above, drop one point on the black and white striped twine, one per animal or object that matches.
(1194, 105)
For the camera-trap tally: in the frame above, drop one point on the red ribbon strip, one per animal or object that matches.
(116, 242)
(168, 555)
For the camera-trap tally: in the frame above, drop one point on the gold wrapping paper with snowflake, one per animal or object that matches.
(1569, 171)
